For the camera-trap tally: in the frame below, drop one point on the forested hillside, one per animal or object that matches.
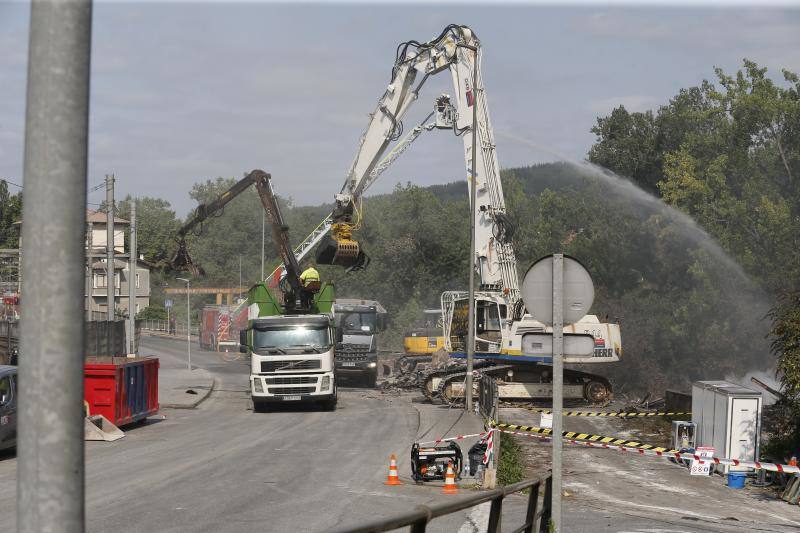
(725, 152)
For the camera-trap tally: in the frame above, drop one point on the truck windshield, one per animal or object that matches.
(353, 322)
(291, 336)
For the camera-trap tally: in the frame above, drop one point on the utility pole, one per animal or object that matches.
(263, 224)
(110, 284)
(89, 272)
(472, 210)
(132, 285)
(558, 387)
(240, 276)
(50, 447)
(188, 323)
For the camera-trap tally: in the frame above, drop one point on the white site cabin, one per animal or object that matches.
(728, 418)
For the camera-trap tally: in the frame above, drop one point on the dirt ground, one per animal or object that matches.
(613, 482)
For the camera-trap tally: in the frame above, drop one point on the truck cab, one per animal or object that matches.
(357, 324)
(291, 360)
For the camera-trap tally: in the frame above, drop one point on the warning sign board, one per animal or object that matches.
(698, 468)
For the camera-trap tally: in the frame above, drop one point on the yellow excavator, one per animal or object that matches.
(421, 341)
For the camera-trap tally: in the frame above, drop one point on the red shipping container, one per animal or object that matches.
(124, 390)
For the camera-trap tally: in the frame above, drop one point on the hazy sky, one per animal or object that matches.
(185, 92)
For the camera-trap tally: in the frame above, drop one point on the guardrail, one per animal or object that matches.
(164, 326)
(537, 517)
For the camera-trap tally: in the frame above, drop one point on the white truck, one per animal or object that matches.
(290, 333)
(291, 359)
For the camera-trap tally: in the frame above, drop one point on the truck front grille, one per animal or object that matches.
(291, 390)
(294, 380)
(351, 356)
(290, 366)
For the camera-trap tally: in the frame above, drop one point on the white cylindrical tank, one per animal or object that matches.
(728, 417)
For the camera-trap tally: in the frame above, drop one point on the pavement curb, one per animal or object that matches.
(201, 398)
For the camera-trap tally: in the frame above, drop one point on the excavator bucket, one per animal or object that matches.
(181, 262)
(345, 253)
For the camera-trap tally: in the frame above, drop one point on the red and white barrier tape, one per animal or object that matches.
(757, 465)
(489, 447)
(448, 439)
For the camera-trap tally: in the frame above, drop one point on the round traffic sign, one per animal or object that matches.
(537, 290)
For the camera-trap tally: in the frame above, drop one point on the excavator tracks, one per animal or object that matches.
(437, 384)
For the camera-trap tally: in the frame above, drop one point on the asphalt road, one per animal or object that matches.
(222, 467)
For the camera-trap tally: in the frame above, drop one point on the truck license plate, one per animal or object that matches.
(291, 398)
(348, 363)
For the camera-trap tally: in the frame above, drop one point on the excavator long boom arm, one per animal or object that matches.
(280, 231)
(456, 49)
(204, 211)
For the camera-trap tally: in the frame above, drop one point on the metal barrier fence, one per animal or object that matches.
(537, 517)
(164, 326)
(9, 339)
(102, 338)
(105, 337)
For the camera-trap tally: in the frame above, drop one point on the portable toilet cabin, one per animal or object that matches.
(728, 417)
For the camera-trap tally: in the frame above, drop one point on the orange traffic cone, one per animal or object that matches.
(393, 479)
(450, 486)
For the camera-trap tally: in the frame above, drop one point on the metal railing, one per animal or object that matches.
(163, 326)
(537, 517)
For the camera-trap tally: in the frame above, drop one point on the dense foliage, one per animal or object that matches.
(728, 154)
(725, 153)
(10, 215)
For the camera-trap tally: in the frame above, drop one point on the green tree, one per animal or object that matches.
(156, 226)
(152, 312)
(10, 215)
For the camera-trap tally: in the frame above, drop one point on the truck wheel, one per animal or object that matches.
(372, 380)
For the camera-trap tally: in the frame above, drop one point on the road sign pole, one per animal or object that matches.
(553, 303)
(558, 385)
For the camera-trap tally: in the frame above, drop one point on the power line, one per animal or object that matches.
(12, 183)
(90, 190)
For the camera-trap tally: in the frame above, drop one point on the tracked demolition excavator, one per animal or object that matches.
(501, 321)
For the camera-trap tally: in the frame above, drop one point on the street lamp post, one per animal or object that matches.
(188, 323)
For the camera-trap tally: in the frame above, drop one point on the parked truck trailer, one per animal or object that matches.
(220, 326)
